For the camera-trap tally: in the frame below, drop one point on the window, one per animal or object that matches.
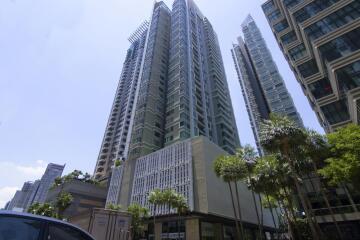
(19, 228)
(341, 46)
(281, 26)
(297, 52)
(349, 77)
(63, 232)
(288, 38)
(336, 112)
(333, 21)
(312, 9)
(207, 231)
(291, 3)
(308, 68)
(320, 88)
(268, 7)
(274, 15)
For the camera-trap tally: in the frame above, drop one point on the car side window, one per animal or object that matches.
(16, 228)
(63, 232)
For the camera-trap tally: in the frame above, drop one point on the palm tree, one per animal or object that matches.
(156, 199)
(270, 178)
(248, 155)
(180, 204)
(230, 168)
(138, 214)
(317, 148)
(281, 135)
(169, 196)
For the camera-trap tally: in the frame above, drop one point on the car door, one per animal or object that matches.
(20, 228)
(57, 231)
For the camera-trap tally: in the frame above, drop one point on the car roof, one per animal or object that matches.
(38, 217)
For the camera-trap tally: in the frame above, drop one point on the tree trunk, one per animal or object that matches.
(235, 213)
(261, 217)
(285, 151)
(154, 219)
(257, 214)
(240, 214)
(272, 215)
(350, 197)
(306, 209)
(168, 228)
(255, 205)
(178, 225)
(288, 196)
(327, 203)
(287, 216)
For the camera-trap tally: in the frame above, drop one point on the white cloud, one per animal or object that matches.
(31, 171)
(6, 193)
(40, 162)
(13, 175)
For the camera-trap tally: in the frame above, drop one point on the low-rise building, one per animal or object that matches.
(86, 196)
(187, 167)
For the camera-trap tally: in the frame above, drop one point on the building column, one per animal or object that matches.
(192, 229)
(158, 230)
(218, 231)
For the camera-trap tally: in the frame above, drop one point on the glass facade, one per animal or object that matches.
(297, 52)
(336, 112)
(292, 3)
(274, 15)
(118, 130)
(263, 88)
(288, 38)
(341, 46)
(330, 79)
(269, 7)
(308, 68)
(312, 9)
(320, 88)
(333, 21)
(348, 77)
(281, 26)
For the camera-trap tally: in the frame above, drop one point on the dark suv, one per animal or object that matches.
(24, 226)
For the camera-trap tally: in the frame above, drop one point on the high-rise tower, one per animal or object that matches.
(180, 91)
(116, 140)
(182, 121)
(262, 86)
(173, 87)
(47, 180)
(320, 42)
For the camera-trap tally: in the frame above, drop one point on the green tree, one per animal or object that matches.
(138, 216)
(270, 177)
(58, 181)
(43, 209)
(74, 175)
(317, 149)
(344, 163)
(117, 163)
(56, 209)
(156, 199)
(231, 169)
(114, 207)
(63, 201)
(248, 155)
(181, 206)
(284, 136)
(169, 199)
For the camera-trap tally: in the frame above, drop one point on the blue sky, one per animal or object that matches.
(59, 66)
